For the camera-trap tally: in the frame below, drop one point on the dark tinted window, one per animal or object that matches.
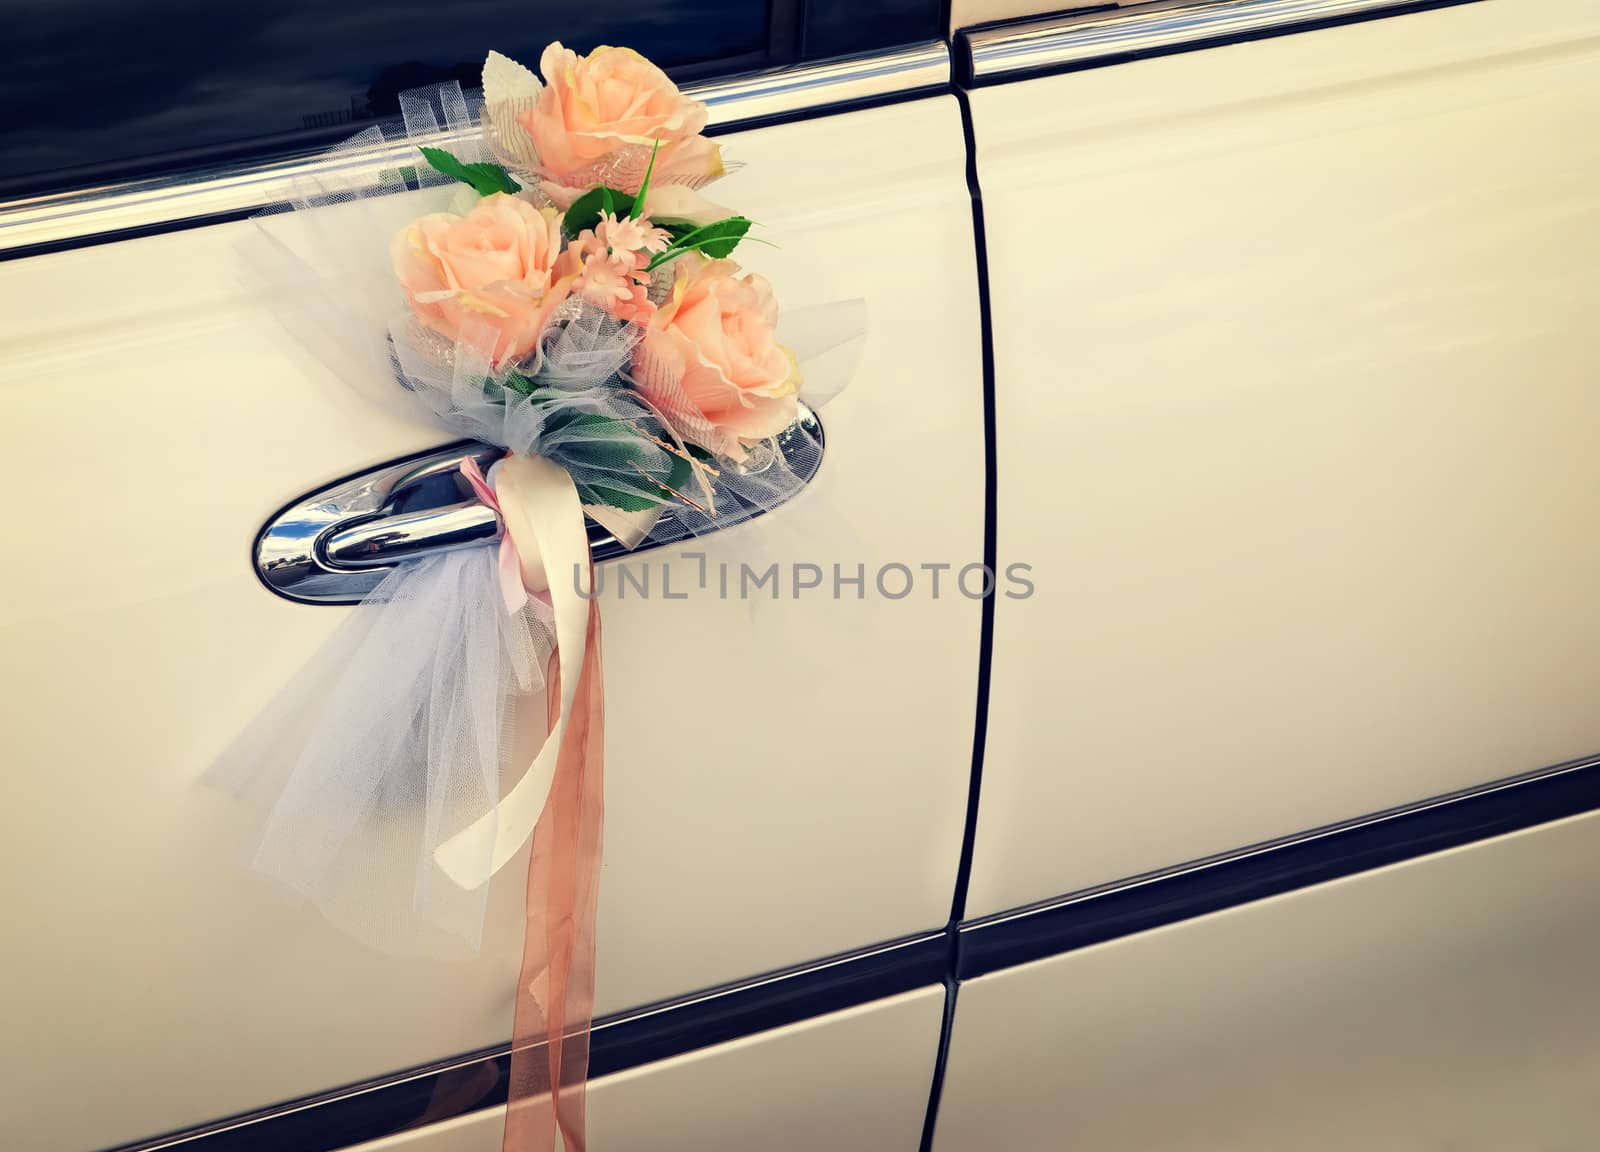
(101, 90)
(839, 27)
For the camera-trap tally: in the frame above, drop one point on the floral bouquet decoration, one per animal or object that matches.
(571, 299)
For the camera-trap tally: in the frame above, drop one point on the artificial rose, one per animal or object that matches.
(486, 277)
(614, 100)
(711, 362)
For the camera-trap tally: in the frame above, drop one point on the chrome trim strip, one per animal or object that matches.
(234, 190)
(826, 84)
(402, 1102)
(1589, 764)
(1273, 867)
(1108, 35)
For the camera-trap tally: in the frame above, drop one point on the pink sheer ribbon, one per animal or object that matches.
(509, 568)
(554, 1002)
(555, 993)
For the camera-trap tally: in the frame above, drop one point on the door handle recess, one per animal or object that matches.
(336, 545)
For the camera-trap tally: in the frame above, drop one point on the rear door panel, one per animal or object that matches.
(785, 780)
(1295, 394)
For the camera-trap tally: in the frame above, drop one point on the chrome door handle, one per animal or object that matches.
(387, 540)
(335, 545)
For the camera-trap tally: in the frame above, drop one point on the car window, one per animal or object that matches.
(102, 90)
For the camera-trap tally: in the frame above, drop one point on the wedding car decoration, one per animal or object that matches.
(571, 295)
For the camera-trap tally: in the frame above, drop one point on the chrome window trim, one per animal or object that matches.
(1084, 39)
(239, 189)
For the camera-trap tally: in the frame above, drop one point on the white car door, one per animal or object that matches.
(1295, 391)
(782, 860)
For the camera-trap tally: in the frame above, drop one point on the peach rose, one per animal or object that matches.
(711, 362)
(614, 100)
(486, 277)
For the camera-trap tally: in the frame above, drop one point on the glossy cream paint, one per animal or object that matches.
(1297, 401)
(852, 1081)
(785, 779)
(1447, 1002)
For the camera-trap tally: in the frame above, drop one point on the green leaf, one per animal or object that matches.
(606, 444)
(484, 179)
(614, 498)
(591, 424)
(616, 446)
(644, 185)
(719, 239)
(586, 209)
(677, 478)
(682, 471)
(716, 240)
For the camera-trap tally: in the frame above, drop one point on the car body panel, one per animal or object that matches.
(1296, 433)
(1441, 1003)
(1292, 385)
(779, 788)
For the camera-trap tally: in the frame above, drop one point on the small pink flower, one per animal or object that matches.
(607, 264)
(629, 235)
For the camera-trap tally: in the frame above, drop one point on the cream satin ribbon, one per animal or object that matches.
(543, 515)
